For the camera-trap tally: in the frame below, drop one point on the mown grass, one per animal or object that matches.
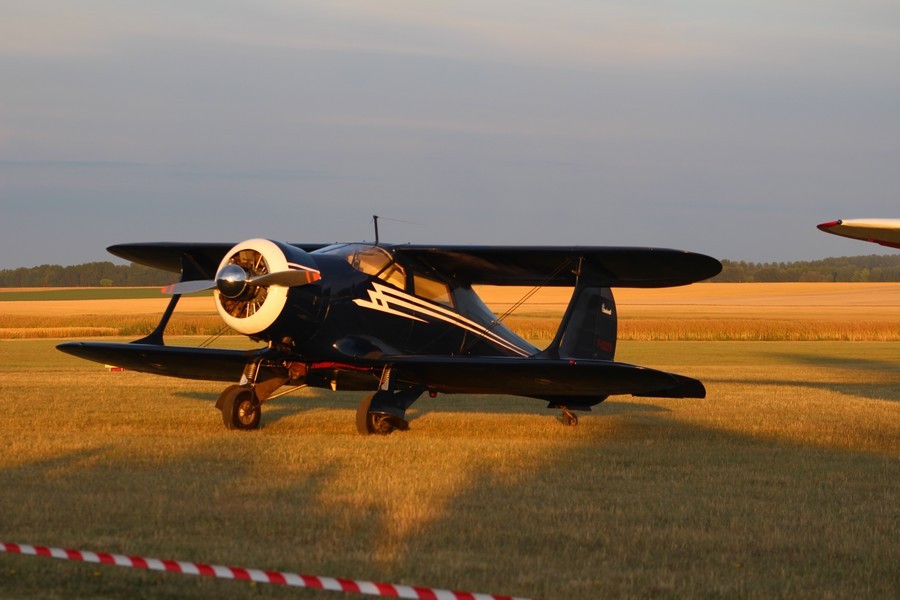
(782, 482)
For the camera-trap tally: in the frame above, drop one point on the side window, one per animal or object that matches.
(394, 275)
(431, 289)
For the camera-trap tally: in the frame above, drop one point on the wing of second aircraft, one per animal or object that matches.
(880, 231)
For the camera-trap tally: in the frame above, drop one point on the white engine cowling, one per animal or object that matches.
(251, 309)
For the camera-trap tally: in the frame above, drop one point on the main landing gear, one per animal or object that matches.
(240, 407)
(383, 412)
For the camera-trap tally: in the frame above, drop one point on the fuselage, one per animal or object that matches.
(402, 307)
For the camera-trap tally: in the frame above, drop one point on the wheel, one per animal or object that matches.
(240, 408)
(368, 423)
(379, 424)
(569, 419)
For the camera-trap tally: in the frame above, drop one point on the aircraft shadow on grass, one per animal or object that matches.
(842, 362)
(886, 391)
(883, 386)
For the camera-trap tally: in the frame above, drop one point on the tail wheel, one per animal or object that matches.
(569, 419)
(240, 408)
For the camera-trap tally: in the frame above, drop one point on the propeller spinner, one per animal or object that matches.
(231, 281)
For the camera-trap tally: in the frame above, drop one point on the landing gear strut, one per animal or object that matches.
(240, 407)
(569, 419)
(241, 403)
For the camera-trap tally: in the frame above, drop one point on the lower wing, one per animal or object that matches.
(174, 361)
(570, 382)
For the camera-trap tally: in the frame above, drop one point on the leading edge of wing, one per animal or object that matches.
(557, 265)
(537, 377)
(169, 256)
(211, 364)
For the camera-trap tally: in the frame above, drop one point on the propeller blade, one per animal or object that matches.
(291, 278)
(187, 287)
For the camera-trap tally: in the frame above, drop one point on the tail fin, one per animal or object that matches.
(588, 329)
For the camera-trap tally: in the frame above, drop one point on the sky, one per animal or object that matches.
(728, 127)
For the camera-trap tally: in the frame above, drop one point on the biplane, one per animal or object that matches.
(400, 321)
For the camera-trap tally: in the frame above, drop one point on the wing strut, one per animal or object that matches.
(562, 266)
(156, 337)
(190, 270)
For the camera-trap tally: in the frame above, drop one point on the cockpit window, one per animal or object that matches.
(371, 260)
(431, 289)
(394, 274)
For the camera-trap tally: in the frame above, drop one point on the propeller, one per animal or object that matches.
(253, 282)
(232, 281)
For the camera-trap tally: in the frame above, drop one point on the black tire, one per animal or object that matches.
(240, 408)
(368, 423)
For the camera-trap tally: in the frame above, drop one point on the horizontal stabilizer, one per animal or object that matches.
(684, 387)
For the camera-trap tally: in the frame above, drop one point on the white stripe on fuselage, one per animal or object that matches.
(389, 300)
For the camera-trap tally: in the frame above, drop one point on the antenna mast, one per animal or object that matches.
(375, 220)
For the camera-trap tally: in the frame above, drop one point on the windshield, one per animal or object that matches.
(371, 260)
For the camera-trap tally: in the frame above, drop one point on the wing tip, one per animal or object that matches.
(826, 227)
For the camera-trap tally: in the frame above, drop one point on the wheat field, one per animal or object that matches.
(727, 311)
(700, 312)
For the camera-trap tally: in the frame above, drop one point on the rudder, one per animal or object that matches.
(589, 326)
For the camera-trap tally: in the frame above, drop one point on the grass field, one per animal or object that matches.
(782, 482)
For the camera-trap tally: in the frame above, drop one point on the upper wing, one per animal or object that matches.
(540, 378)
(170, 256)
(558, 265)
(489, 265)
(881, 231)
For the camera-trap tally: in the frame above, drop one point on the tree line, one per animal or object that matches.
(94, 274)
(873, 268)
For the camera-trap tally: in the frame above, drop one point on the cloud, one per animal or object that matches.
(55, 30)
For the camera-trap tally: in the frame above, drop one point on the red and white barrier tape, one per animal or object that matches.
(333, 584)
